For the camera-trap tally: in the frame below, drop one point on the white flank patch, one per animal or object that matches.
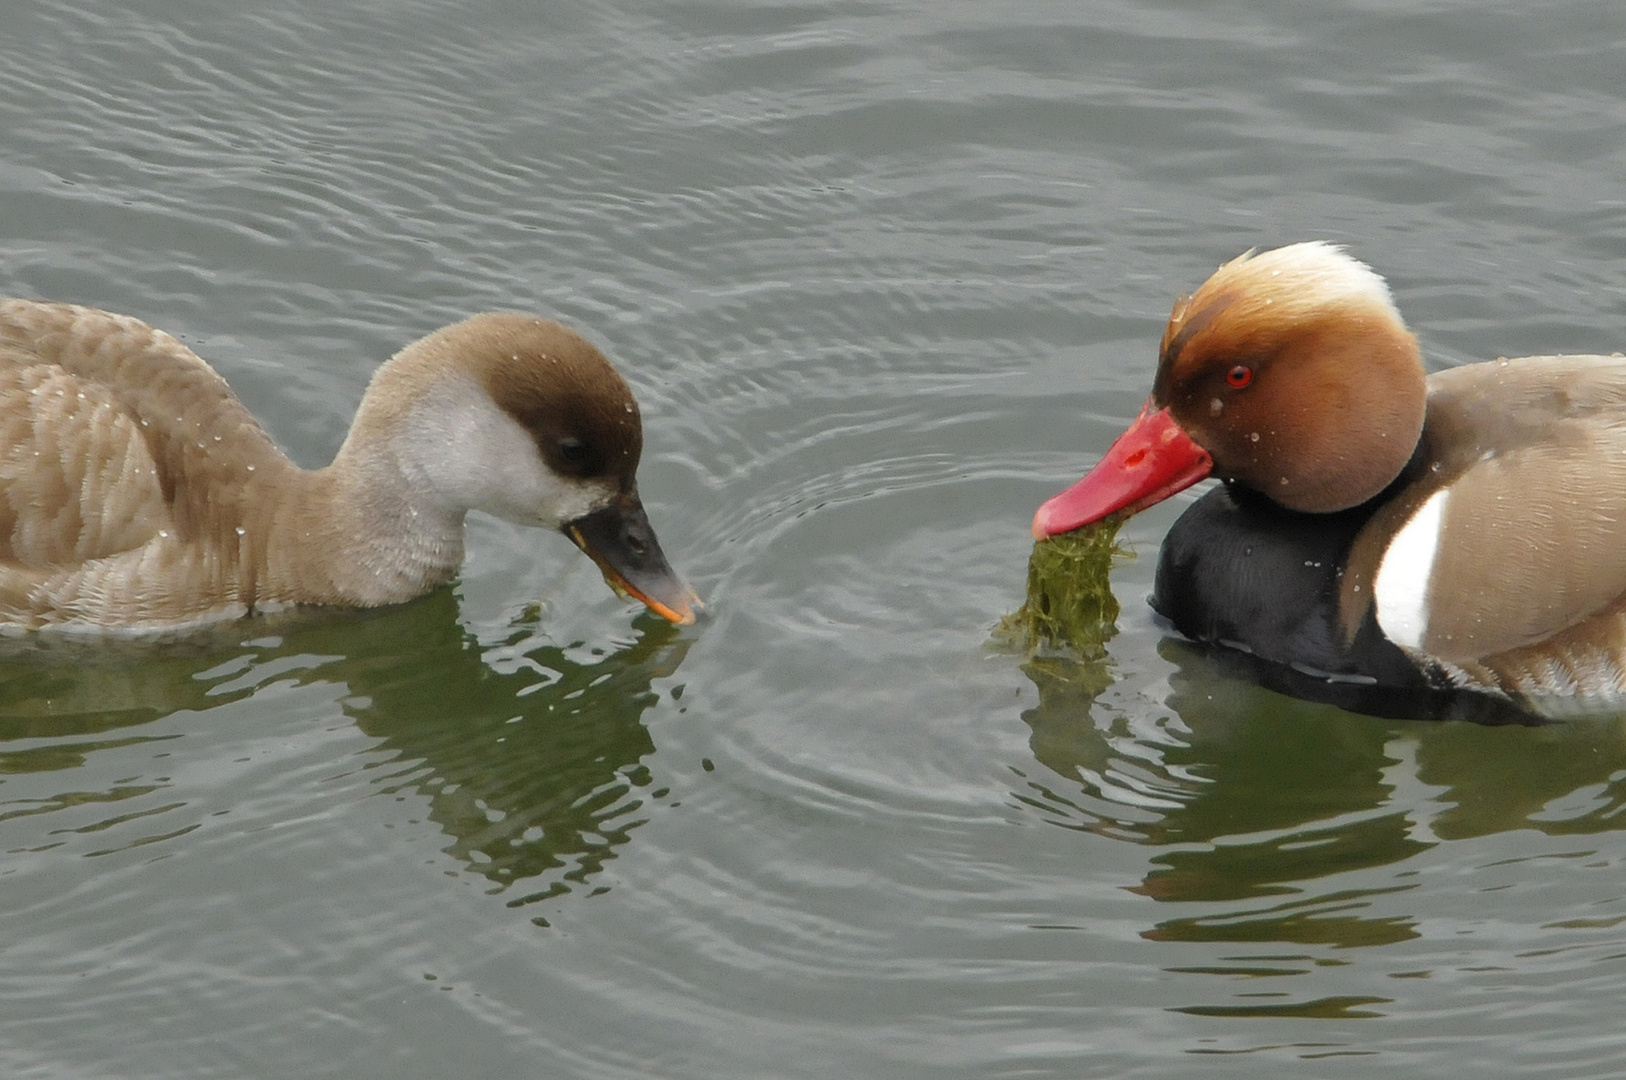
(1401, 588)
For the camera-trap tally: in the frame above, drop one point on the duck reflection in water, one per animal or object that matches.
(531, 755)
(1252, 797)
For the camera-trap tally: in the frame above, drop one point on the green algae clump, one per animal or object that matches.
(1070, 603)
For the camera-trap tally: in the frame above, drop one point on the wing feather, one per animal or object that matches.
(1532, 542)
(127, 470)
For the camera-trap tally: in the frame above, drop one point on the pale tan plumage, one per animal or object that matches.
(137, 491)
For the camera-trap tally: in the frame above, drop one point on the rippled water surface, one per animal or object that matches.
(883, 276)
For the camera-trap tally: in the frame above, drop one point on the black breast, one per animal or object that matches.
(1260, 584)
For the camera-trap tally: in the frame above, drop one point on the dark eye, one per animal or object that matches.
(1239, 376)
(572, 449)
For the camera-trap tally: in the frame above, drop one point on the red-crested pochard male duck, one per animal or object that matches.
(1397, 539)
(137, 492)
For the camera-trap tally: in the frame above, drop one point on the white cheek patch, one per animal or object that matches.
(504, 475)
(463, 453)
(1401, 588)
(556, 499)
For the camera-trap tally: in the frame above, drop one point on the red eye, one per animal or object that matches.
(1239, 376)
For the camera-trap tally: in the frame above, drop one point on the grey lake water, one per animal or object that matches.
(884, 275)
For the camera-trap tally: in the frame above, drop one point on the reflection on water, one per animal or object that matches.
(1282, 826)
(529, 753)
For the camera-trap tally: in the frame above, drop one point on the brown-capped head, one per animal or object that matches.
(525, 419)
(1294, 371)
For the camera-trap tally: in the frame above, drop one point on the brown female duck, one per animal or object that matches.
(137, 492)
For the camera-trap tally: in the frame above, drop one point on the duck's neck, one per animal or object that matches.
(384, 522)
(354, 534)
(368, 529)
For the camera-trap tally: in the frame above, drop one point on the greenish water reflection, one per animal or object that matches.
(1252, 796)
(529, 753)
